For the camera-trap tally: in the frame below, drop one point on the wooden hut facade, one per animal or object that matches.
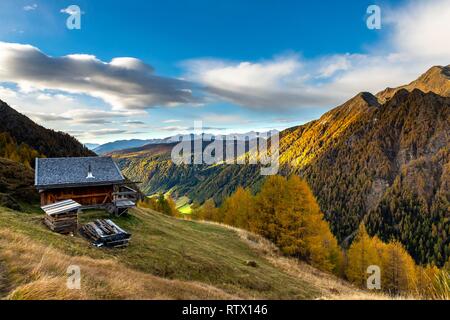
(93, 182)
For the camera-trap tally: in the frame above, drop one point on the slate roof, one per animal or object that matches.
(66, 172)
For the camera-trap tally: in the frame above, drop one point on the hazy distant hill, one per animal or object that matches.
(381, 159)
(47, 142)
(92, 146)
(125, 144)
(122, 146)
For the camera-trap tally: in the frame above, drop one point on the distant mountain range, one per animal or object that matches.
(379, 159)
(123, 145)
(91, 146)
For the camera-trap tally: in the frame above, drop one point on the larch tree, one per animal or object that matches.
(237, 209)
(398, 269)
(207, 211)
(270, 201)
(318, 245)
(362, 254)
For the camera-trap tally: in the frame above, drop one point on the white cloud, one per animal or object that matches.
(81, 116)
(105, 132)
(332, 65)
(8, 93)
(46, 117)
(85, 114)
(422, 29)
(30, 7)
(223, 118)
(134, 122)
(70, 10)
(268, 84)
(124, 83)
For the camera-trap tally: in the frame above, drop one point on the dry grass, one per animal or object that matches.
(34, 271)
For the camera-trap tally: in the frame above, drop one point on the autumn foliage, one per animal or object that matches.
(286, 212)
(399, 273)
(22, 153)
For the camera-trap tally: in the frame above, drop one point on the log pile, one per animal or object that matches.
(64, 223)
(62, 217)
(105, 233)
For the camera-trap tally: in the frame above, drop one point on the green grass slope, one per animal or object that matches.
(188, 259)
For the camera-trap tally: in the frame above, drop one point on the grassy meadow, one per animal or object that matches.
(168, 258)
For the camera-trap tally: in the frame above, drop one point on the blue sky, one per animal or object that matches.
(238, 65)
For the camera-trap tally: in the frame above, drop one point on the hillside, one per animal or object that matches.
(47, 142)
(167, 259)
(380, 159)
(153, 167)
(16, 184)
(391, 169)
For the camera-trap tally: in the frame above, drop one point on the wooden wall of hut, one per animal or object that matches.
(86, 196)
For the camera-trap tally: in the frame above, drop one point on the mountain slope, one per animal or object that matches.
(152, 166)
(167, 258)
(392, 166)
(301, 145)
(91, 146)
(382, 163)
(47, 142)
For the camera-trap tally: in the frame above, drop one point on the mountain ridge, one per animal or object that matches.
(436, 80)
